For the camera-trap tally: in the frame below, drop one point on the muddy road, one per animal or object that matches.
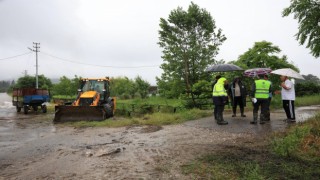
(34, 148)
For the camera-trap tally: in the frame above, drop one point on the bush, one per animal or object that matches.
(307, 88)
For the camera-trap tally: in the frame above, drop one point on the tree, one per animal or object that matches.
(122, 86)
(66, 86)
(190, 42)
(4, 86)
(309, 78)
(307, 12)
(142, 86)
(307, 88)
(263, 55)
(30, 81)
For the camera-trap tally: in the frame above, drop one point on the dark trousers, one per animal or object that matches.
(288, 106)
(219, 112)
(219, 103)
(264, 108)
(268, 110)
(237, 101)
(215, 111)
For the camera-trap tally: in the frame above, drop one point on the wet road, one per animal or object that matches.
(16, 129)
(33, 147)
(242, 125)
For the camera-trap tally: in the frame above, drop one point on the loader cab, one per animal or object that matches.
(99, 85)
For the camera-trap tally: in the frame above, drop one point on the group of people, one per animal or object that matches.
(261, 95)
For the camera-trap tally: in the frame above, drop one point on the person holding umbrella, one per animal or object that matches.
(288, 97)
(237, 93)
(219, 93)
(260, 94)
(220, 98)
(287, 92)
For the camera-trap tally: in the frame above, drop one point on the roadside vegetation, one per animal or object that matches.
(293, 154)
(157, 119)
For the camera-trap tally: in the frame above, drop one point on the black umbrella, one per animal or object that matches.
(223, 68)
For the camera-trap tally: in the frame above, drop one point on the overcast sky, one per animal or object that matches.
(124, 33)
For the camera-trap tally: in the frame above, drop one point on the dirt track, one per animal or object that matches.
(33, 148)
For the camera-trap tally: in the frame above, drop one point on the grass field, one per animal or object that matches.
(147, 119)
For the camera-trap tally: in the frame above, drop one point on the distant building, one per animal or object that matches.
(153, 91)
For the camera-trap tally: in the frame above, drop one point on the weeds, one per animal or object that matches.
(300, 141)
(147, 119)
(287, 146)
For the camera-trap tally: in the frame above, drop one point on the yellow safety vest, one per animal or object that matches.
(218, 89)
(262, 89)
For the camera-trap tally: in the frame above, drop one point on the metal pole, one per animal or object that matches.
(36, 50)
(37, 82)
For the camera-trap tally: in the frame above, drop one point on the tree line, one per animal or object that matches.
(122, 87)
(5, 85)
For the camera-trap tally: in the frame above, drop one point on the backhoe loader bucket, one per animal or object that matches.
(79, 113)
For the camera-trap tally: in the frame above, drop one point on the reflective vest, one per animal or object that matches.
(262, 89)
(218, 89)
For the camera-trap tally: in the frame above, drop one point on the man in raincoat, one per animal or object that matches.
(260, 97)
(220, 98)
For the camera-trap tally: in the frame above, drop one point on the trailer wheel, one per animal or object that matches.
(35, 108)
(44, 109)
(25, 109)
(18, 109)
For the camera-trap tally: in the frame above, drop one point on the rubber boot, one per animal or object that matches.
(262, 118)
(242, 112)
(267, 118)
(234, 110)
(255, 118)
(220, 120)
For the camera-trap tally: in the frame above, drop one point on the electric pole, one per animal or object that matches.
(37, 47)
(25, 72)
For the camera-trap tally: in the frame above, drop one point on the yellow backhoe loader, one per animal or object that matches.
(93, 102)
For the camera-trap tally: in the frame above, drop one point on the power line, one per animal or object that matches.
(2, 59)
(66, 60)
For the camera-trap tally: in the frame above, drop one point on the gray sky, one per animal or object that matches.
(124, 33)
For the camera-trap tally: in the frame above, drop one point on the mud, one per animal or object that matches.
(32, 147)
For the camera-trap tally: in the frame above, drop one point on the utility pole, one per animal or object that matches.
(37, 47)
(25, 72)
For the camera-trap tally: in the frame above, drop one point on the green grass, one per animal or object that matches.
(276, 102)
(147, 119)
(64, 97)
(300, 101)
(308, 100)
(294, 154)
(153, 101)
(300, 141)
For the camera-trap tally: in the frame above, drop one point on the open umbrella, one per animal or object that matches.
(223, 68)
(256, 71)
(287, 72)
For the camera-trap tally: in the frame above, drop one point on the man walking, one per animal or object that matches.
(288, 97)
(220, 98)
(260, 93)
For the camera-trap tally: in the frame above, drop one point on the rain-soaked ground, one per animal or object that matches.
(32, 147)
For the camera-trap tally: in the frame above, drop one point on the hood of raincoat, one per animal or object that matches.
(221, 80)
